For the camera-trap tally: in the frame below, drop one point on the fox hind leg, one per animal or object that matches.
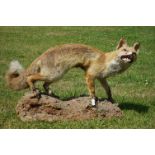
(46, 87)
(32, 79)
(48, 91)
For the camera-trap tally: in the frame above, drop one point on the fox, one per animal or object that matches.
(56, 61)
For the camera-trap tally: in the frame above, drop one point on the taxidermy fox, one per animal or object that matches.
(55, 62)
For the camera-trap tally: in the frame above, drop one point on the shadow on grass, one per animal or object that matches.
(133, 106)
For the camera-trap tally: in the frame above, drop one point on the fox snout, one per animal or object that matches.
(129, 58)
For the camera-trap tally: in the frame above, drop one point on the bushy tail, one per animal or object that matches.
(16, 76)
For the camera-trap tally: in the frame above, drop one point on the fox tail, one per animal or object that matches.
(16, 76)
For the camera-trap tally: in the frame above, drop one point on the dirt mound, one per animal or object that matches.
(49, 108)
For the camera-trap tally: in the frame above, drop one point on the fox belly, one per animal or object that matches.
(54, 73)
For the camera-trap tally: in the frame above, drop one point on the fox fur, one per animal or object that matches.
(55, 62)
(15, 76)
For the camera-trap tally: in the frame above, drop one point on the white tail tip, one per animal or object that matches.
(15, 67)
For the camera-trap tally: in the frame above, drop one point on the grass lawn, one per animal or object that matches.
(134, 90)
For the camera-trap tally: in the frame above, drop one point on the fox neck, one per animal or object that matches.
(113, 65)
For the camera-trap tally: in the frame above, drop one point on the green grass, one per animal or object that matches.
(134, 89)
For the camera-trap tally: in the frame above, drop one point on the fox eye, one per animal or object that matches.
(124, 50)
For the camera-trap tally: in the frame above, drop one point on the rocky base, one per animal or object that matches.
(48, 108)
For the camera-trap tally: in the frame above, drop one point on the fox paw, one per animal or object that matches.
(48, 93)
(37, 93)
(94, 102)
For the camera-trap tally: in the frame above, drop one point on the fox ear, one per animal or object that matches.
(136, 46)
(121, 43)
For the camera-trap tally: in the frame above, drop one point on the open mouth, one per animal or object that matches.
(127, 58)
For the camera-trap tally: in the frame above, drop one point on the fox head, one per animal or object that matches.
(126, 54)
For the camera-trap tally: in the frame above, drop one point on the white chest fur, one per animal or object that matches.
(112, 68)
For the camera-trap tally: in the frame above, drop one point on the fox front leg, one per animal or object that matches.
(106, 86)
(91, 88)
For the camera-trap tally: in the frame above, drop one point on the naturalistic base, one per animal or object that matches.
(47, 108)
